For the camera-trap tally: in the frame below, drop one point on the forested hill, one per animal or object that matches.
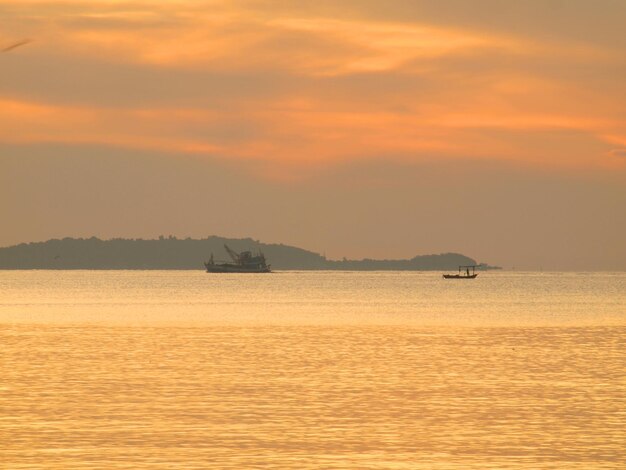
(174, 253)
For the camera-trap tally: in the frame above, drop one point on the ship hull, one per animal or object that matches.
(459, 276)
(233, 268)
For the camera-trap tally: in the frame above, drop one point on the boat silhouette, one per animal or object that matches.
(461, 275)
(243, 262)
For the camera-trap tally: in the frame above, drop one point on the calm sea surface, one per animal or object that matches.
(386, 370)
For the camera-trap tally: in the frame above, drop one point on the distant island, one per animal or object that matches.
(174, 253)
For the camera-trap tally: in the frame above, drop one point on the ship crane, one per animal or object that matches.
(233, 254)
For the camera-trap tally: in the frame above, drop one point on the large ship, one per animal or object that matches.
(243, 262)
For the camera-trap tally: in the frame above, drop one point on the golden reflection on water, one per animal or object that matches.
(344, 395)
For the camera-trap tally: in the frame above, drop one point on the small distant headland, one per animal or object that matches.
(174, 253)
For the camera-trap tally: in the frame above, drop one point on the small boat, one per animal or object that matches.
(463, 275)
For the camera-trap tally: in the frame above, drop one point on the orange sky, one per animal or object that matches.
(334, 83)
(286, 90)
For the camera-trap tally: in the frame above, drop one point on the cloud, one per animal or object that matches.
(15, 45)
(375, 208)
(296, 85)
(571, 22)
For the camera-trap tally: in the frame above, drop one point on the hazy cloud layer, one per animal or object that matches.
(306, 82)
(493, 212)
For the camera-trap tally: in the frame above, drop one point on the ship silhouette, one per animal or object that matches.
(243, 262)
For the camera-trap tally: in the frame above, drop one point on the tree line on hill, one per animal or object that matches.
(173, 253)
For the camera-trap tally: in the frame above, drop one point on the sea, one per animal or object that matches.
(312, 370)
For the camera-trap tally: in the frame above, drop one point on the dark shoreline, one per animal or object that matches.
(172, 253)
